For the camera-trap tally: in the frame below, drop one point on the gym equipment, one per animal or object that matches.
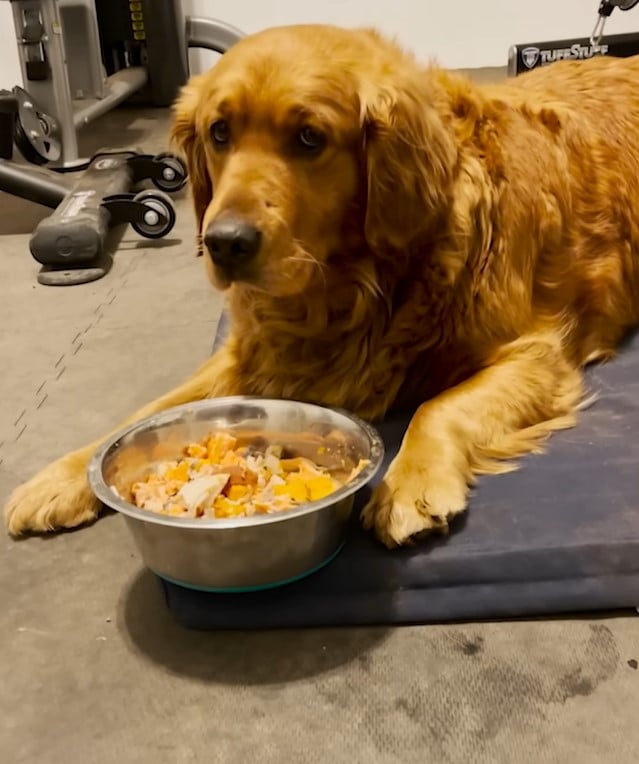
(36, 133)
(527, 56)
(561, 535)
(80, 58)
(71, 242)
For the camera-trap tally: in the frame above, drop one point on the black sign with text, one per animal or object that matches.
(523, 58)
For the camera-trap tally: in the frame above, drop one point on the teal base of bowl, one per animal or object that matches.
(246, 589)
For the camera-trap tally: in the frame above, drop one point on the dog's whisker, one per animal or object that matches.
(307, 258)
(304, 256)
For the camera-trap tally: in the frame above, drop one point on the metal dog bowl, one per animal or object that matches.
(242, 553)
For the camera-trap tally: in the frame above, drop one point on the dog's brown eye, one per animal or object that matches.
(220, 132)
(310, 140)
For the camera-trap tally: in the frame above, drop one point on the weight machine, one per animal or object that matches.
(79, 59)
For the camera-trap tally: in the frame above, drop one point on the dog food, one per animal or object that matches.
(219, 478)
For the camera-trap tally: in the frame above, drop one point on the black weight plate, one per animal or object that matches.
(36, 133)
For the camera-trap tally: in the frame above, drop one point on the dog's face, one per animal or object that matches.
(295, 151)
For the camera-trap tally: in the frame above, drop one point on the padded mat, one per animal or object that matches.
(560, 535)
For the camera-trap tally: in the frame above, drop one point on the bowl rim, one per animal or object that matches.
(107, 496)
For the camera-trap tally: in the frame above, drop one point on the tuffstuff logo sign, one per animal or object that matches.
(532, 55)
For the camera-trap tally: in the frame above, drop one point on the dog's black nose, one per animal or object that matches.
(232, 241)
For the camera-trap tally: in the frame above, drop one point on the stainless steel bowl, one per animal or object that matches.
(244, 553)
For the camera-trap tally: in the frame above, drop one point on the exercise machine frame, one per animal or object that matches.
(70, 243)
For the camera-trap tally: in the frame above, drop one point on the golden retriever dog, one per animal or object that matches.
(390, 235)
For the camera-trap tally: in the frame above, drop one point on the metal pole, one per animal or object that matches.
(120, 86)
(56, 52)
(211, 34)
(32, 184)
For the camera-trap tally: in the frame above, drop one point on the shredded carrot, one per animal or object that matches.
(218, 478)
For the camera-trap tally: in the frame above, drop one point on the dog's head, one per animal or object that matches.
(305, 145)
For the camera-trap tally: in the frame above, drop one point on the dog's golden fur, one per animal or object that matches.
(464, 248)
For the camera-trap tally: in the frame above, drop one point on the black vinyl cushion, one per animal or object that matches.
(560, 535)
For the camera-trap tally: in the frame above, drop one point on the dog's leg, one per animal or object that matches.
(59, 495)
(503, 411)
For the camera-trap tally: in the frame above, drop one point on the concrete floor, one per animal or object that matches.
(94, 669)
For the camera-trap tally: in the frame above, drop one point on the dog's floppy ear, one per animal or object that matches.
(184, 137)
(409, 157)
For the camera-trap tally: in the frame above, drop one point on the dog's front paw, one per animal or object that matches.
(411, 501)
(56, 497)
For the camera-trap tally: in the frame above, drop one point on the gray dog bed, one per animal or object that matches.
(560, 535)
